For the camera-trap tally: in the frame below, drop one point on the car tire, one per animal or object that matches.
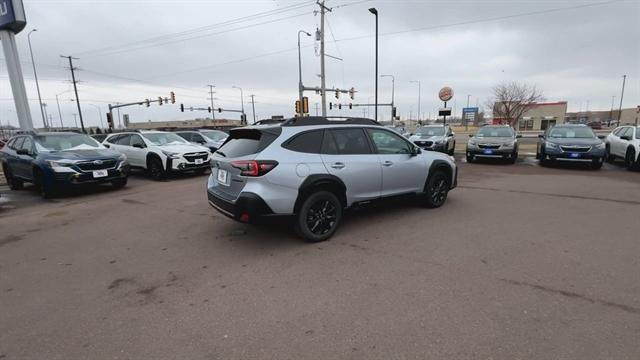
(46, 190)
(119, 183)
(155, 169)
(470, 158)
(608, 156)
(437, 189)
(319, 216)
(513, 158)
(543, 159)
(453, 149)
(597, 163)
(629, 160)
(13, 182)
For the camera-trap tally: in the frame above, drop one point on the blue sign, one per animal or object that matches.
(12, 15)
(470, 110)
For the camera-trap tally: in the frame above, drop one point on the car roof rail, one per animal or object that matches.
(329, 120)
(25, 132)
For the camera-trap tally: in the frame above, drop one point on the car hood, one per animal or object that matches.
(80, 154)
(426, 137)
(573, 141)
(183, 148)
(493, 140)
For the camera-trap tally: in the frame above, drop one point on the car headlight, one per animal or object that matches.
(62, 165)
(600, 146)
(171, 155)
(507, 145)
(472, 143)
(439, 142)
(551, 145)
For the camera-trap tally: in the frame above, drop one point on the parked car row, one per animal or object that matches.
(56, 160)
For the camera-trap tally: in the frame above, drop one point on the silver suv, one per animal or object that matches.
(314, 168)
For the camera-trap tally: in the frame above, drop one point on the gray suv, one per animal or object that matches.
(314, 168)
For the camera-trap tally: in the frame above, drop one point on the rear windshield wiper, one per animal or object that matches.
(221, 153)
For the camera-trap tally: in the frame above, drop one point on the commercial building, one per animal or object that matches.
(628, 116)
(540, 116)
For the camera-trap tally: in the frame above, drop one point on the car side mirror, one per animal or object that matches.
(416, 151)
(470, 135)
(139, 146)
(519, 136)
(541, 136)
(22, 152)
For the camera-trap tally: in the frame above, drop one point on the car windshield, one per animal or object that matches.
(214, 135)
(571, 133)
(62, 142)
(638, 132)
(430, 131)
(161, 138)
(495, 132)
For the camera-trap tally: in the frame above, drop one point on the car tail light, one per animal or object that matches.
(254, 167)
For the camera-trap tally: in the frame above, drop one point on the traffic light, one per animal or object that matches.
(305, 105)
(159, 100)
(147, 102)
(209, 109)
(337, 94)
(350, 106)
(298, 107)
(352, 93)
(182, 107)
(330, 106)
(393, 113)
(340, 106)
(172, 95)
(219, 110)
(243, 119)
(110, 120)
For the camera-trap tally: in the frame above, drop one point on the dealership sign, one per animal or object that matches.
(12, 15)
(445, 94)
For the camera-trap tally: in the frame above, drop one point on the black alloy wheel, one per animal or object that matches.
(437, 189)
(319, 216)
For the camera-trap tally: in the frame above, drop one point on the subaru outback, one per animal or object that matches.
(314, 168)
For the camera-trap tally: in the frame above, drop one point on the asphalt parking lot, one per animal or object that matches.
(522, 262)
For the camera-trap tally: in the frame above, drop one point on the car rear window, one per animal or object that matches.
(243, 142)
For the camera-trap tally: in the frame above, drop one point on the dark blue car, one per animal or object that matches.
(53, 161)
(570, 143)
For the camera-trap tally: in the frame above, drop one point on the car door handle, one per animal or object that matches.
(337, 165)
(387, 163)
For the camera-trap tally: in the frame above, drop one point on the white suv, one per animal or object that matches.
(624, 143)
(159, 152)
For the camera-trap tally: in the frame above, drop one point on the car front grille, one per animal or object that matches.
(191, 157)
(489, 146)
(576, 149)
(96, 165)
(424, 143)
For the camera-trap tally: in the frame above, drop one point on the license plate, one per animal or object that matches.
(100, 173)
(222, 176)
(199, 161)
(488, 152)
(574, 155)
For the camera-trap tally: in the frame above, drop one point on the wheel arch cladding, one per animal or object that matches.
(442, 165)
(318, 182)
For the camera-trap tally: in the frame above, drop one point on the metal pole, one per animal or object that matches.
(613, 99)
(75, 89)
(119, 118)
(322, 72)
(35, 75)
(75, 119)
(374, 11)
(99, 114)
(253, 107)
(300, 86)
(624, 79)
(59, 112)
(466, 121)
(419, 91)
(16, 79)
(213, 116)
(44, 108)
(241, 99)
(393, 85)
(444, 118)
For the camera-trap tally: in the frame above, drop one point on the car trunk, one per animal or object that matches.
(243, 144)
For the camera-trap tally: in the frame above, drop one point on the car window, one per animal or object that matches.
(62, 142)
(624, 132)
(430, 131)
(17, 144)
(571, 132)
(307, 142)
(27, 144)
(215, 135)
(638, 132)
(124, 140)
(502, 131)
(389, 143)
(617, 131)
(186, 136)
(197, 138)
(243, 142)
(164, 138)
(136, 140)
(347, 142)
(9, 143)
(113, 139)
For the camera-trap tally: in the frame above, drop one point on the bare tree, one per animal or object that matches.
(511, 100)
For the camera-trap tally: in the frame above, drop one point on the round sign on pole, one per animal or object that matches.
(445, 94)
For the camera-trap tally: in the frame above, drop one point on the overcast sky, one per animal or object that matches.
(572, 50)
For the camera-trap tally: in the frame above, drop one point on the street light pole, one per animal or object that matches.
(241, 100)
(300, 70)
(211, 92)
(393, 86)
(613, 99)
(624, 79)
(466, 122)
(59, 112)
(100, 114)
(253, 106)
(419, 90)
(35, 75)
(374, 11)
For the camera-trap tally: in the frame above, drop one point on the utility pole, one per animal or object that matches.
(75, 88)
(317, 108)
(613, 99)
(393, 86)
(35, 75)
(119, 119)
(322, 73)
(253, 107)
(374, 11)
(44, 108)
(75, 119)
(211, 92)
(59, 112)
(243, 120)
(624, 79)
(300, 87)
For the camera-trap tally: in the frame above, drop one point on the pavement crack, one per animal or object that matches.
(574, 295)
(10, 238)
(630, 202)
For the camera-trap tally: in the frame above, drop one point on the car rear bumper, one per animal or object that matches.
(247, 208)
